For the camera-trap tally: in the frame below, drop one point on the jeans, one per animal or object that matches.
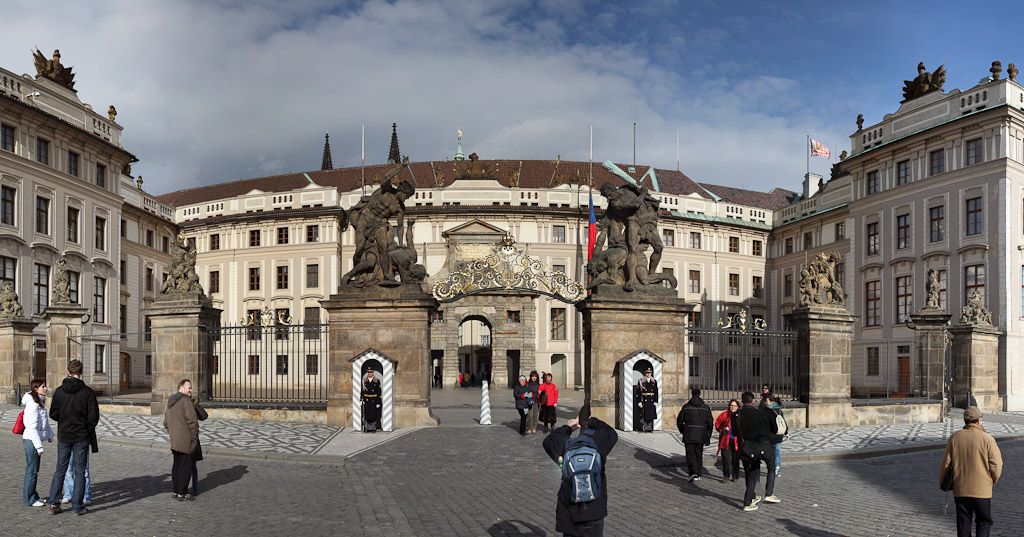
(778, 457)
(531, 419)
(29, 495)
(978, 508)
(64, 453)
(69, 482)
(753, 474)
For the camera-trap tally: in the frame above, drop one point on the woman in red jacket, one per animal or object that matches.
(548, 399)
(728, 442)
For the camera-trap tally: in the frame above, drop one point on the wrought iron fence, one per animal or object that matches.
(726, 363)
(272, 363)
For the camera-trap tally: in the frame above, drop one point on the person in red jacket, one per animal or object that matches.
(728, 442)
(548, 399)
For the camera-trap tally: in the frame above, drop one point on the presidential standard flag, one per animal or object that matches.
(591, 229)
(818, 149)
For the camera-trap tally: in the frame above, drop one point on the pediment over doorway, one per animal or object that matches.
(475, 231)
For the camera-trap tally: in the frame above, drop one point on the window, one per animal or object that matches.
(124, 228)
(557, 323)
(734, 285)
(903, 172)
(73, 279)
(756, 248)
(42, 216)
(312, 275)
(840, 231)
(123, 276)
(757, 285)
(311, 318)
(669, 237)
(149, 364)
(974, 278)
(974, 152)
(974, 225)
(313, 235)
(101, 176)
(936, 218)
(122, 320)
(942, 288)
(693, 319)
(215, 241)
(149, 279)
(43, 152)
(148, 329)
(695, 240)
(254, 364)
(937, 162)
(558, 268)
(7, 205)
(72, 163)
(903, 231)
(873, 238)
(755, 366)
(694, 366)
(557, 233)
(312, 364)
(214, 281)
(149, 238)
(872, 364)
(254, 278)
(694, 281)
(512, 316)
(100, 352)
(436, 316)
(282, 277)
(808, 240)
(787, 285)
(254, 237)
(101, 233)
(871, 299)
(789, 245)
(840, 273)
(252, 330)
(41, 288)
(6, 137)
(872, 182)
(99, 297)
(72, 224)
(165, 244)
(281, 367)
(282, 235)
(734, 245)
(668, 272)
(904, 298)
(7, 271)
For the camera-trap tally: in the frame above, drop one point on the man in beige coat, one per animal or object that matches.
(182, 425)
(977, 465)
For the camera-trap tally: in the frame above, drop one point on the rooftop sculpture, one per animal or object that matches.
(53, 69)
(924, 83)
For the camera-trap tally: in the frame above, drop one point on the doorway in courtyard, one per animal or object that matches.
(475, 355)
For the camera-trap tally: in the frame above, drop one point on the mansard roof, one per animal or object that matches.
(774, 200)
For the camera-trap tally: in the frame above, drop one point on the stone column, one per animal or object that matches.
(15, 356)
(930, 333)
(617, 324)
(180, 329)
(63, 341)
(822, 372)
(976, 366)
(390, 320)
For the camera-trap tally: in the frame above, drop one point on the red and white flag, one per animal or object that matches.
(818, 149)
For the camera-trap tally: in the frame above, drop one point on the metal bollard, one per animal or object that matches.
(485, 405)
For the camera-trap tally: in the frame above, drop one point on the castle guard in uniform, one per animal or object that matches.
(371, 403)
(647, 392)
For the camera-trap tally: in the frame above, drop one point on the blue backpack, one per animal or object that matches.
(581, 465)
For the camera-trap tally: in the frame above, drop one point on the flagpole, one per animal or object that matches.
(807, 149)
(677, 149)
(362, 165)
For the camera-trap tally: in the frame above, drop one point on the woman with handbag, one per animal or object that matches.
(37, 429)
(728, 442)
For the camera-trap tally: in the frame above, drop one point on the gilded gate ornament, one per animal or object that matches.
(265, 318)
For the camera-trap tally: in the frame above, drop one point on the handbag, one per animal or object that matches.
(947, 479)
(19, 424)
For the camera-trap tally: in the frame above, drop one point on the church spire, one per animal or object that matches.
(458, 150)
(327, 164)
(394, 156)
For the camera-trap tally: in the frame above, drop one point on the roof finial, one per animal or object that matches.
(458, 150)
(394, 156)
(327, 164)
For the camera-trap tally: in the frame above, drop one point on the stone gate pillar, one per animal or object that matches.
(15, 356)
(618, 323)
(180, 330)
(395, 322)
(63, 340)
(976, 366)
(930, 333)
(822, 371)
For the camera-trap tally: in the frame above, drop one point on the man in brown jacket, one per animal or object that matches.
(182, 425)
(977, 465)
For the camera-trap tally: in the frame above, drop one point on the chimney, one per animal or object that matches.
(812, 184)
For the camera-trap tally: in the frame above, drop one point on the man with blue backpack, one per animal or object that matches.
(583, 495)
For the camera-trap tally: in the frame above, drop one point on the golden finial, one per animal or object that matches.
(460, 134)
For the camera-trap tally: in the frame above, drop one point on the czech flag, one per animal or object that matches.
(592, 229)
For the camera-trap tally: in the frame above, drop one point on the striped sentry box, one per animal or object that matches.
(387, 388)
(629, 378)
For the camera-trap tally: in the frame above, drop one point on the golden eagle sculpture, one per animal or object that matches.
(53, 69)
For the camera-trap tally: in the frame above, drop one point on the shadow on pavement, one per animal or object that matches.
(217, 478)
(110, 494)
(800, 530)
(514, 528)
(672, 474)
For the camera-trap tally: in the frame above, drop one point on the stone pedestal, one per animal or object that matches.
(976, 366)
(180, 330)
(617, 324)
(15, 357)
(930, 333)
(63, 341)
(822, 369)
(393, 321)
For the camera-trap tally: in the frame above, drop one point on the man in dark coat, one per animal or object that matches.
(76, 412)
(371, 403)
(581, 519)
(757, 428)
(695, 424)
(647, 390)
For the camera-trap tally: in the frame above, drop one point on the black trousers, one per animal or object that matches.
(695, 458)
(731, 463)
(978, 508)
(523, 412)
(753, 474)
(181, 472)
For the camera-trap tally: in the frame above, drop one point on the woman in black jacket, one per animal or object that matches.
(524, 400)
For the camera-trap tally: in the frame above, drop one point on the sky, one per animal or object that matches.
(211, 91)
